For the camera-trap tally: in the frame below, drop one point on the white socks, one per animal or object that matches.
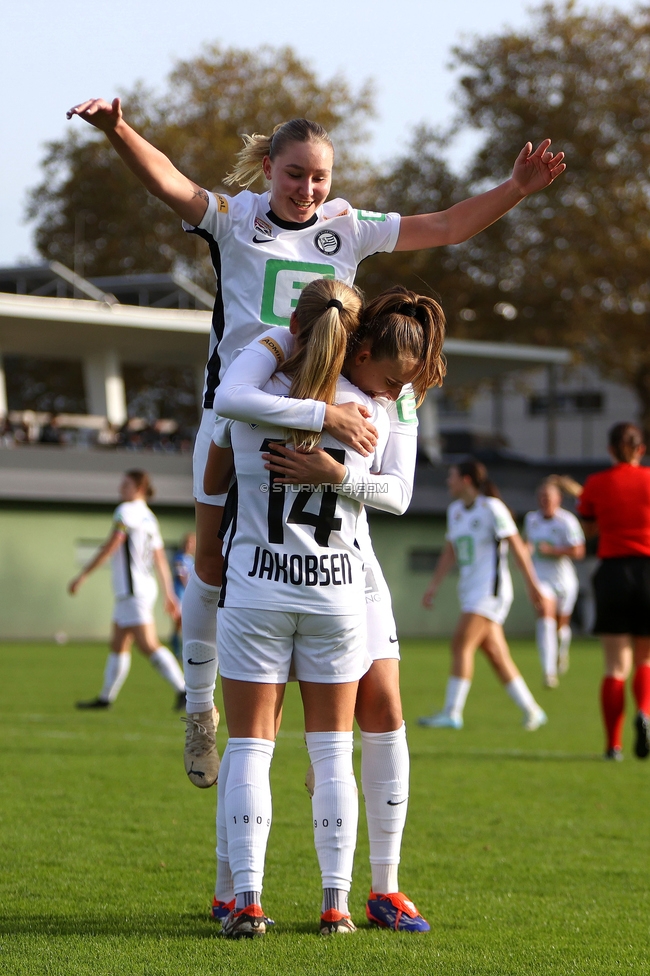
(385, 781)
(247, 810)
(200, 659)
(521, 695)
(335, 806)
(115, 674)
(223, 890)
(167, 666)
(456, 696)
(546, 631)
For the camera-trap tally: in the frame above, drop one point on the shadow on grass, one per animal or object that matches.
(171, 925)
(519, 755)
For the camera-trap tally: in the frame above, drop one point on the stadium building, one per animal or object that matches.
(101, 375)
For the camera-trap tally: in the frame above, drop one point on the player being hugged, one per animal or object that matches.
(397, 325)
(555, 538)
(135, 548)
(479, 530)
(265, 247)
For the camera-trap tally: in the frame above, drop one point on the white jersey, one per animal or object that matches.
(132, 564)
(288, 547)
(262, 262)
(241, 396)
(562, 530)
(477, 535)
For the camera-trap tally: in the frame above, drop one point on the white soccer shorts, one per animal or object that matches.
(133, 611)
(259, 645)
(380, 622)
(495, 608)
(564, 592)
(199, 460)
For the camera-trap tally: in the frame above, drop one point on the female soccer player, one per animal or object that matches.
(265, 247)
(296, 551)
(479, 530)
(555, 538)
(615, 505)
(135, 548)
(393, 318)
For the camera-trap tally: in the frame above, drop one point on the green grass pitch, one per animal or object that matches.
(527, 853)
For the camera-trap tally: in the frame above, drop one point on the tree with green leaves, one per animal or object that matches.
(570, 265)
(92, 213)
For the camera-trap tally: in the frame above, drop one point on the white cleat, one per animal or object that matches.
(551, 681)
(441, 720)
(201, 757)
(535, 719)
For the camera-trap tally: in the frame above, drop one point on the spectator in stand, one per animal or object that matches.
(615, 505)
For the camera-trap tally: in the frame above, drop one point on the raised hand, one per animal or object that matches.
(535, 170)
(103, 115)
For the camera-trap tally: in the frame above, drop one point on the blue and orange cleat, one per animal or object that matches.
(220, 909)
(395, 911)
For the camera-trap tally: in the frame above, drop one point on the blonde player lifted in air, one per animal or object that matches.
(265, 247)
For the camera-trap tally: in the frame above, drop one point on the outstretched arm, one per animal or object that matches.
(154, 170)
(446, 561)
(532, 171)
(112, 544)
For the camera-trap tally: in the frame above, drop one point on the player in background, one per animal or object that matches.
(135, 548)
(182, 567)
(264, 248)
(555, 538)
(615, 506)
(387, 320)
(295, 551)
(479, 531)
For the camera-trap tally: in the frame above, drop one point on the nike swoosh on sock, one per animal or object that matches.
(190, 661)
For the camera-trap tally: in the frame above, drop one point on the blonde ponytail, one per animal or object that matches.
(565, 484)
(328, 313)
(248, 167)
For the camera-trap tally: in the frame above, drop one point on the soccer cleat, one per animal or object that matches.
(94, 703)
(642, 743)
(201, 757)
(248, 923)
(551, 681)
(535, 719)
(614, 755)
(220, 909)
(441, 720)
(179, 703)
(563, 662)
(310, 780)
(336, 923)
(395, 911)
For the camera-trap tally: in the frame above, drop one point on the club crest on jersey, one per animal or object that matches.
(327, 242)
(263, 227)
(222, 203)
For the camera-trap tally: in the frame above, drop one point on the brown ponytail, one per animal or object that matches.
(142, 482)
(624, 441)
(477, 473)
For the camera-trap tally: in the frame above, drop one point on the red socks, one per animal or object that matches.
(612, 698)
(641, 688)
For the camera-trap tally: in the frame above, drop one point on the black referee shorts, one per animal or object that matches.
(622, 592)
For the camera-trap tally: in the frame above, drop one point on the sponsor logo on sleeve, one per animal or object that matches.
(370, 215)
(263, 227)
(327, 242)
(222, 203)
(273, 346)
